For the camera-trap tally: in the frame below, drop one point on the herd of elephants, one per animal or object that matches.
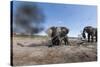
(58, 35)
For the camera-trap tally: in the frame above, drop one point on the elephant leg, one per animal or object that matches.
(56, 41)
(88, 37)
(92, 39)
(53, 41)
(66, 40)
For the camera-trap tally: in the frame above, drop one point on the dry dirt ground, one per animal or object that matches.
(35, 52)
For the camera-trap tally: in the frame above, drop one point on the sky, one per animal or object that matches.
(74, 17)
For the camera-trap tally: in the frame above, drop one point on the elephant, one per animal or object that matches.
(57, 35)
(91, 33)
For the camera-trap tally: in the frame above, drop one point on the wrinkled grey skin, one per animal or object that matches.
(58, 34)
(91, 33)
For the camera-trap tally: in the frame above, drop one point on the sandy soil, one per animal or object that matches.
(42, 54)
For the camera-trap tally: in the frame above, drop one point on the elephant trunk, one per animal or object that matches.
(83, 34)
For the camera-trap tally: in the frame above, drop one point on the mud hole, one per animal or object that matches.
(41, 54)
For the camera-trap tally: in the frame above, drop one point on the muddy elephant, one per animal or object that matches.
(57, 35)
(91, 33)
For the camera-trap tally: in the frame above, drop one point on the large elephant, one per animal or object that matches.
(91, 33)
(57, 35)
